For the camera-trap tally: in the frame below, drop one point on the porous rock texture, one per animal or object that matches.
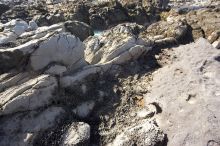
(128, 85)
(187, 90)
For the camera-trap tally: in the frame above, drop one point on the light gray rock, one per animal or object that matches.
(116, 46)
(30, 95)
(12, 30)
(7, 37)
(188, 92)
(77, 135)
(21, 129)
(15, 22)
(13, 79)
(144, 133)
(62, 48)
(116, 43)
(216, 44)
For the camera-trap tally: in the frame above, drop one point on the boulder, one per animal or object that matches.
(165, 32)
(78, 12)
(145, 133)
(112, 13)
(14, 29)
(55, 18)
(117, 45)
(97, 22)
(23, 128)
(18, 56)
(62, 49)
(79, 29)
(187, 91)
(78, 134)
(203, 22)
(209, 25)
(41, 20)
(139, 16)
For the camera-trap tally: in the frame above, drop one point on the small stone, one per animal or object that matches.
(145, 114)
(28, 137)
(145, 133)
(78, 134)
(216, 44)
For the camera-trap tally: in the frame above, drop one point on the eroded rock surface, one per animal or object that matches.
(165, 32)
(29, 95)
(60, 85)
(22, 128)
(187, 90)
(78, 134)
(114, 47)
(144, 133)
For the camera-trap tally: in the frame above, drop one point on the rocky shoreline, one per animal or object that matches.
(109, 73)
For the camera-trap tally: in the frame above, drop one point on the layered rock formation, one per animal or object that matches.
(61, 83)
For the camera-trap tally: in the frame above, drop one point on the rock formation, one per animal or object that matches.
(188, 95)
(112, 73)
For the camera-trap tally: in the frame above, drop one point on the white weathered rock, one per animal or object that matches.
(144, 133)
(21, 129)
(30, 95)
(10, 79)
(188, 92)
(115, 46)
(62, 48)
(12, 30)
(7, 37)
(117, 43)
(78, 134)
(18, 30)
